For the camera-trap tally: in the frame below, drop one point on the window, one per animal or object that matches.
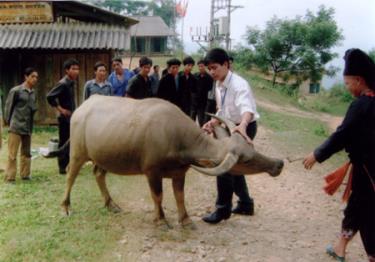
(158, 44)
(138, 45)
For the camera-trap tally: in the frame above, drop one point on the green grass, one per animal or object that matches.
(323, 102)
(32, 225)
(294, 131)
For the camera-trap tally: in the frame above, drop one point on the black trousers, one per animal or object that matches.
(64, 135)
(228, 184)
(210, 108)
(359, 214)
(200, 113)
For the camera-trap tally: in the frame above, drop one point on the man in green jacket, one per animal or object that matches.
(20, 108)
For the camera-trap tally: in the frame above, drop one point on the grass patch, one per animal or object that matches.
(299, 130)
(32, 225)
(324, 102)
(296, 136)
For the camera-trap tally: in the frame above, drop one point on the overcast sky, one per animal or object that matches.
(356, 18)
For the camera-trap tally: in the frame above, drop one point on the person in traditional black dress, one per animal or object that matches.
(356, 135)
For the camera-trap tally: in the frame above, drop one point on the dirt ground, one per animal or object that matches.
(294, 220)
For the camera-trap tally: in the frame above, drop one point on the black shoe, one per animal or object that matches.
(62, 172)
(217, 216)
(244, 210)
(27, 178)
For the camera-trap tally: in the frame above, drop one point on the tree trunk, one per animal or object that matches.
(274, 79)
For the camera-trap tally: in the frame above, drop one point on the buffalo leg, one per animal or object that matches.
(178, 182)
(73, 171)
(156, 186)
(100, 175)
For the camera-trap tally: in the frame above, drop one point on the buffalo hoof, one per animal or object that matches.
(189, 226)
(66, 210)
(66, 207)
(113, 207)
(162, 224)
(186, 222)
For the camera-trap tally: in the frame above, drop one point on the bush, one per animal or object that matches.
(244, 57)
(339, 91)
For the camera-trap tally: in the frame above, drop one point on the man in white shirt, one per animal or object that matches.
(235, 102)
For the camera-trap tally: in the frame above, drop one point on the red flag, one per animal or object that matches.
(181, 7)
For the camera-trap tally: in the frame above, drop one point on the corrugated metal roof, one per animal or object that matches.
(64, 36)
(150, 26)
(85, 11)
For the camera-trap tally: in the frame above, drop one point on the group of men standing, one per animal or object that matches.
(194, 94)
(187, 91)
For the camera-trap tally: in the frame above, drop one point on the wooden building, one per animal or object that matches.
(43, 34)
(150, 36)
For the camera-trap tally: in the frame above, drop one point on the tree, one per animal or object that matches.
(163, 8)
(371, 53)
(123, 7)
(300, 47)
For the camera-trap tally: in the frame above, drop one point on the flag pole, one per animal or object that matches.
(182, 36)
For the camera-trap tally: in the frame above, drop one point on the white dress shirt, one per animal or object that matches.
(234, 98)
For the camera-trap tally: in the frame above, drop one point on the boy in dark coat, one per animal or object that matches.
(204, 84)
(187, 90)
(139, 86)
(168, 84)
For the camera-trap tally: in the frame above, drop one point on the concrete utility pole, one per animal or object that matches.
(212, 24)
(227, 36)
(216, 34)
(219, 29)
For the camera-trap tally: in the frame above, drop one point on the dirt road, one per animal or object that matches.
(294, 220)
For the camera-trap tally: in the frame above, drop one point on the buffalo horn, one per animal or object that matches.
(229, 161)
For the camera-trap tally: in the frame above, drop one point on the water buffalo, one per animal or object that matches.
(153, 137)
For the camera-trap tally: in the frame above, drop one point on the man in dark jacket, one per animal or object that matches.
(204, 84)
(187, 90)
(19, 114)
(140, 85)
(61, 97)
(168, 84)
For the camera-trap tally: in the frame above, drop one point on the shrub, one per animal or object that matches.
(339, 91)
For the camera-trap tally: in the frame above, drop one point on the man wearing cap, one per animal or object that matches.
(235, 102)
(356, 135)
